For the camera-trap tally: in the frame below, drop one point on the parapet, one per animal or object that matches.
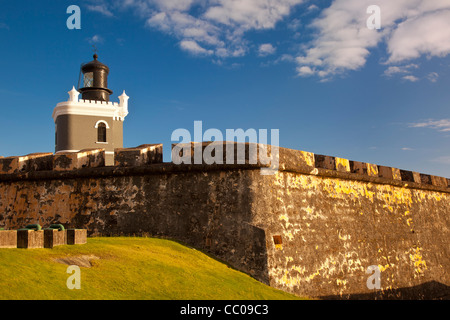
(31, 162)
(90, 158)
(142, 155)
(148, 158)
(300, 161)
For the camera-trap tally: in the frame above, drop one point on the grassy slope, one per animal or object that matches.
(128, 268)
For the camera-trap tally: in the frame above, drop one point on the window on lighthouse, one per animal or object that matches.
(88, 79)
(101, 132)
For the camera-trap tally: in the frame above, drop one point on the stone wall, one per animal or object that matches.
(313, 228)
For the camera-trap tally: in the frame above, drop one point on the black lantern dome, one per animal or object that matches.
(95, 81)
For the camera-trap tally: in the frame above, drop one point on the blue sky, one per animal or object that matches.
(311, 69)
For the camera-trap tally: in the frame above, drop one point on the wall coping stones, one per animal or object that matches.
(142, 155)
(146, 159)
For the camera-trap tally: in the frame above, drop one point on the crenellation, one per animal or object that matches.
(389, 173)
(325, 162)
(142, 155)
(342, 165)
(439, 181)
(87, 158)
(9, 165)
(425, 179)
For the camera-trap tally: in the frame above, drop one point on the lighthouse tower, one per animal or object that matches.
(92, 121)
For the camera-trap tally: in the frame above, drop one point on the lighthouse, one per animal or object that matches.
(92, 120)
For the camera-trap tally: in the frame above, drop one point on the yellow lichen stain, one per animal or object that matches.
(340, 282)
(284, 218)
(299, 269)
(308, 158)
(342, 164)
(289, 235)
(409, 221)
(416, 258)
(372, 170)
(383, 268)
(311, 277)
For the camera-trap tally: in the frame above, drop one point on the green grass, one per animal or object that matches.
(127, 268)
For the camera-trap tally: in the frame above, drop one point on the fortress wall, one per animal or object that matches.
(313, 228)
(324, 228)
(206, 207)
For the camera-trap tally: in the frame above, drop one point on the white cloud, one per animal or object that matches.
(410, 29)
(217, 26)
(433, 76)
(442, 125)
(305, 71)
(266, 49)
(341, 40)
(393, 70)
(100, 8)
(194, 48)
(95, 39)
(427, 34)
(411, 78)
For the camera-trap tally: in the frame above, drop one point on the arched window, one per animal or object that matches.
(101, 132)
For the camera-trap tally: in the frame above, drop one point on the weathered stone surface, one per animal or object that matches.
(76, 236)
(342, 165)
(143, 155)
(8, 239)
(358, 167)
(389, 173)
(332, 230)
(224, 152)
(54, 237)
(410, 176)
(29, 239)
(325, 162)
(87, 158)
(9, 165)
(31, 162)
(439, 181)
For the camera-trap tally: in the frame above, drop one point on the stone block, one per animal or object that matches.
(439, 181)
(36, 162)
(290, 159)
(54, 237)
(140, 156)
(410, 176)
(9, 165)
(87, 158)
(372, 170)
(8, 238)
(225, 152)
(389, 173)
(342, 165)
(76, 236)
(29, 239)
(325, 162)
(358, 167)
(31, 162)
(425, 179)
